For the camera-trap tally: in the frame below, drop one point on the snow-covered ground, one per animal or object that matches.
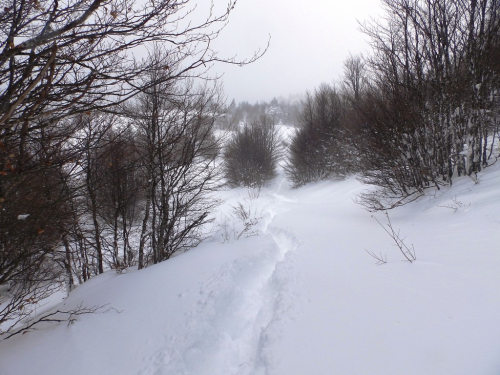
(301, 297)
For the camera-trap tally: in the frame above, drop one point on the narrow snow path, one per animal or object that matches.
(238, 311)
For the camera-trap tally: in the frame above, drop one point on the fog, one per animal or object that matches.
(309, 41)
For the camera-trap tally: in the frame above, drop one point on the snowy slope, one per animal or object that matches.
(302, 297)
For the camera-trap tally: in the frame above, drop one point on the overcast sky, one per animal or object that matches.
(309, 41)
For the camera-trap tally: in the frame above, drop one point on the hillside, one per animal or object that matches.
(301, 297)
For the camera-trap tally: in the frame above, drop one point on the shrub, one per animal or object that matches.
(252, 154)
(316, 150)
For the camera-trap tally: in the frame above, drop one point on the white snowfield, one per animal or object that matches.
(301, 298)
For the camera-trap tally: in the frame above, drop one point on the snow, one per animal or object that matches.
(301, 297)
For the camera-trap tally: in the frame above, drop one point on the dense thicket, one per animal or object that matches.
(420, 110)
(433, 99)
(252, 154)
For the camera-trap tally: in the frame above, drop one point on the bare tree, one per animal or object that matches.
(175, 140)
(354, 79)
(119, 192)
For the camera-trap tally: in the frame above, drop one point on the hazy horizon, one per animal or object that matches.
(308, 45)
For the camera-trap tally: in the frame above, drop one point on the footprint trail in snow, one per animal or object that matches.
(237, 311)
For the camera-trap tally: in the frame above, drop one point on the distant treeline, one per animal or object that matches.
(279, 111)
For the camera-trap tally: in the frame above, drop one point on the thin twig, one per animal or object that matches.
(408, 253)
(381, 259)
(69, 317)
